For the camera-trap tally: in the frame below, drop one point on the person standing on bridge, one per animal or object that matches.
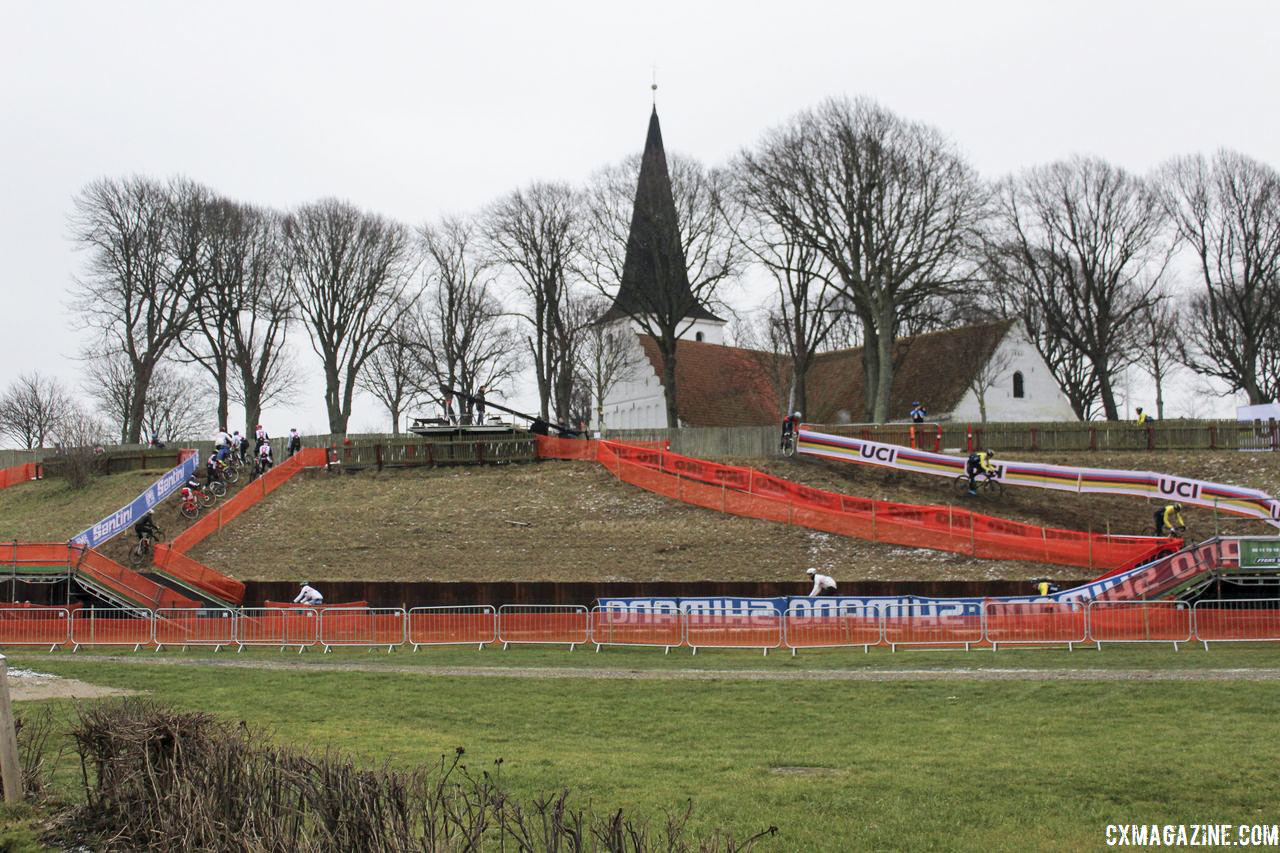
(822, 584)
(918, 413)
(480, 406)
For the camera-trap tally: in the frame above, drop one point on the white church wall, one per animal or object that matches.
(638, 402)
(1041, 400)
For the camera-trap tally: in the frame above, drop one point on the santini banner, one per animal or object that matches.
(122, 518)
(1143, 484)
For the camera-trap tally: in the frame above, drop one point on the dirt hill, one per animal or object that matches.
(573, 521)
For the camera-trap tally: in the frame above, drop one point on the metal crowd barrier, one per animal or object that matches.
(109, 626)
(446, 626)
(362, 626)
(937, 625)
(733, 629)
(544, 624)
(615, 627)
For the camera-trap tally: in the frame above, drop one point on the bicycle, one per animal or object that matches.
(987, 485)
(228, 472)
(139, 553)
(190, 508)
(789, 444)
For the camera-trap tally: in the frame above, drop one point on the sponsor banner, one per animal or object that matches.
(1260, 553)
(1143, 484)
(123, 518)
(706, 604)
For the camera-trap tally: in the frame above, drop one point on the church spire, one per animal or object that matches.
(655, 279)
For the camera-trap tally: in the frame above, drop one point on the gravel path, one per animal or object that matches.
(956, 674)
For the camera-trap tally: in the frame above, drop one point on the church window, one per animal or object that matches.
(1017, 384)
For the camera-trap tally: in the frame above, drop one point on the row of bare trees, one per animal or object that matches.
(873, 228)
(860, 215)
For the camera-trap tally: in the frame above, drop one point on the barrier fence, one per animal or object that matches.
(959, 625)
(750, 493)
(19, 474)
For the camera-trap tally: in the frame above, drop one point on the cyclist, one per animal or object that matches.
(190, 491)
(260, 437)
(295, 441)
(1169, 518)
(979, 463)
(822, 584)
(145, 528)
(309, 596)
(264, 456)
(222, 442)
(789, 426)
(212, 470)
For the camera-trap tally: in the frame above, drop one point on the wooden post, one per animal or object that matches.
(377, 455)
(9, 768)
(1093, 438)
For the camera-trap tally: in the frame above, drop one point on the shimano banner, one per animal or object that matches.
(124, 517)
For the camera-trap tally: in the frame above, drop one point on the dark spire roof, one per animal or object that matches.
(655, 278)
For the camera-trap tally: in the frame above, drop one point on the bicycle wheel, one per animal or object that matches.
(992, 489)
(190, 511)
(232, 475)
(138, 554)
(218, 489)
(961, 486)
(789, 446)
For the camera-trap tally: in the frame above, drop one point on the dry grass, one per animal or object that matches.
(572, 521)
(51, 511)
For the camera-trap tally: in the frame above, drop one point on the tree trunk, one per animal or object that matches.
(799, 386)
(137, 404)
(1158, 376)
(252, 403)
(224, 404)
(884, 383)
(669, 381)
(1109, 410)
(395, 419)
(870, 371)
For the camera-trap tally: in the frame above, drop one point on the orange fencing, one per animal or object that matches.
(1036, 623)
(112, 576)
(26, 625)
(610, 627)
(713, 629)
(362, 626)
(107, 626)
(449, 626)
(19, 474)
(822, 630)
(1234, 621)
(754, 494)
(933, 624)
(1140, 622)
(172, 559)
(194, 627)
(544, 624)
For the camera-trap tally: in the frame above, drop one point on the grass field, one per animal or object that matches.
(1027, 763)
(574, 521)
(50, 511)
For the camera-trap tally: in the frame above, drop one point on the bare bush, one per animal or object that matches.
(157, 779)
(80, 438)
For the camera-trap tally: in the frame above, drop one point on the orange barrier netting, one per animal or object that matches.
(754, 494)
(18, 474)
(126, 582)
(172, 559)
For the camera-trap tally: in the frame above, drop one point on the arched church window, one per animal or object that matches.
(1017, 384)
(699, 336)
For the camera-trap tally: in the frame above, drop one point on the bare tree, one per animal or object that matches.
(1086, 242)
(1158, 352)
(143, 285)
(32, 408)
(265, 371)
(808, 295)
(349, 271)
(706, 221)
(177, 407)
(464, 339)
(890, 205)
(1228, 212)
(539, 234)
(223, 250)
(986, 374)
(392, 375)
(610, 355)
(80, 436)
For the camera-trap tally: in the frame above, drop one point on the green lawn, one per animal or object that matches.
(835, 765)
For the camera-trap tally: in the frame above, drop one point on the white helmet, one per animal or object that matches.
(797, 414)
(811, 571)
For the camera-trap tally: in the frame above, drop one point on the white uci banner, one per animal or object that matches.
(1144, 484)
(122, 518)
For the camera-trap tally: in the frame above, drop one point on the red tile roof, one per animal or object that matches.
(727, 386)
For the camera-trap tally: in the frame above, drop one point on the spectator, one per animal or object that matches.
(295, 441)
(918, 412)
(446, 397)
(309, 596)
(822, 584)
(1143, 417)
(480, 405)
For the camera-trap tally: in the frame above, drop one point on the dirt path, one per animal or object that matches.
(957, 674)
(28, 686)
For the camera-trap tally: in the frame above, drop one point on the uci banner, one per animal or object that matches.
(1143, 484)
(124, 517)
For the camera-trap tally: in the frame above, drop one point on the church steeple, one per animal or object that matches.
(655, 278)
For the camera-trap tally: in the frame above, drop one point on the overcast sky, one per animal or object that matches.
(419, 109)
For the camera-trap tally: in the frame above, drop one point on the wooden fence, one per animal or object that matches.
(417, 452)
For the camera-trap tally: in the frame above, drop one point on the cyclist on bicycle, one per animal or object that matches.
(145, 528)
(789, 426)
(1169, 518)
(979, 463)
(221, 442)
(264, 456)
(212, 470)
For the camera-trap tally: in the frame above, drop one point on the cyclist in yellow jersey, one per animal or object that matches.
(979, 463)
(1169, 519)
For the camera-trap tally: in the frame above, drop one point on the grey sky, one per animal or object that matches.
(415, 109)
